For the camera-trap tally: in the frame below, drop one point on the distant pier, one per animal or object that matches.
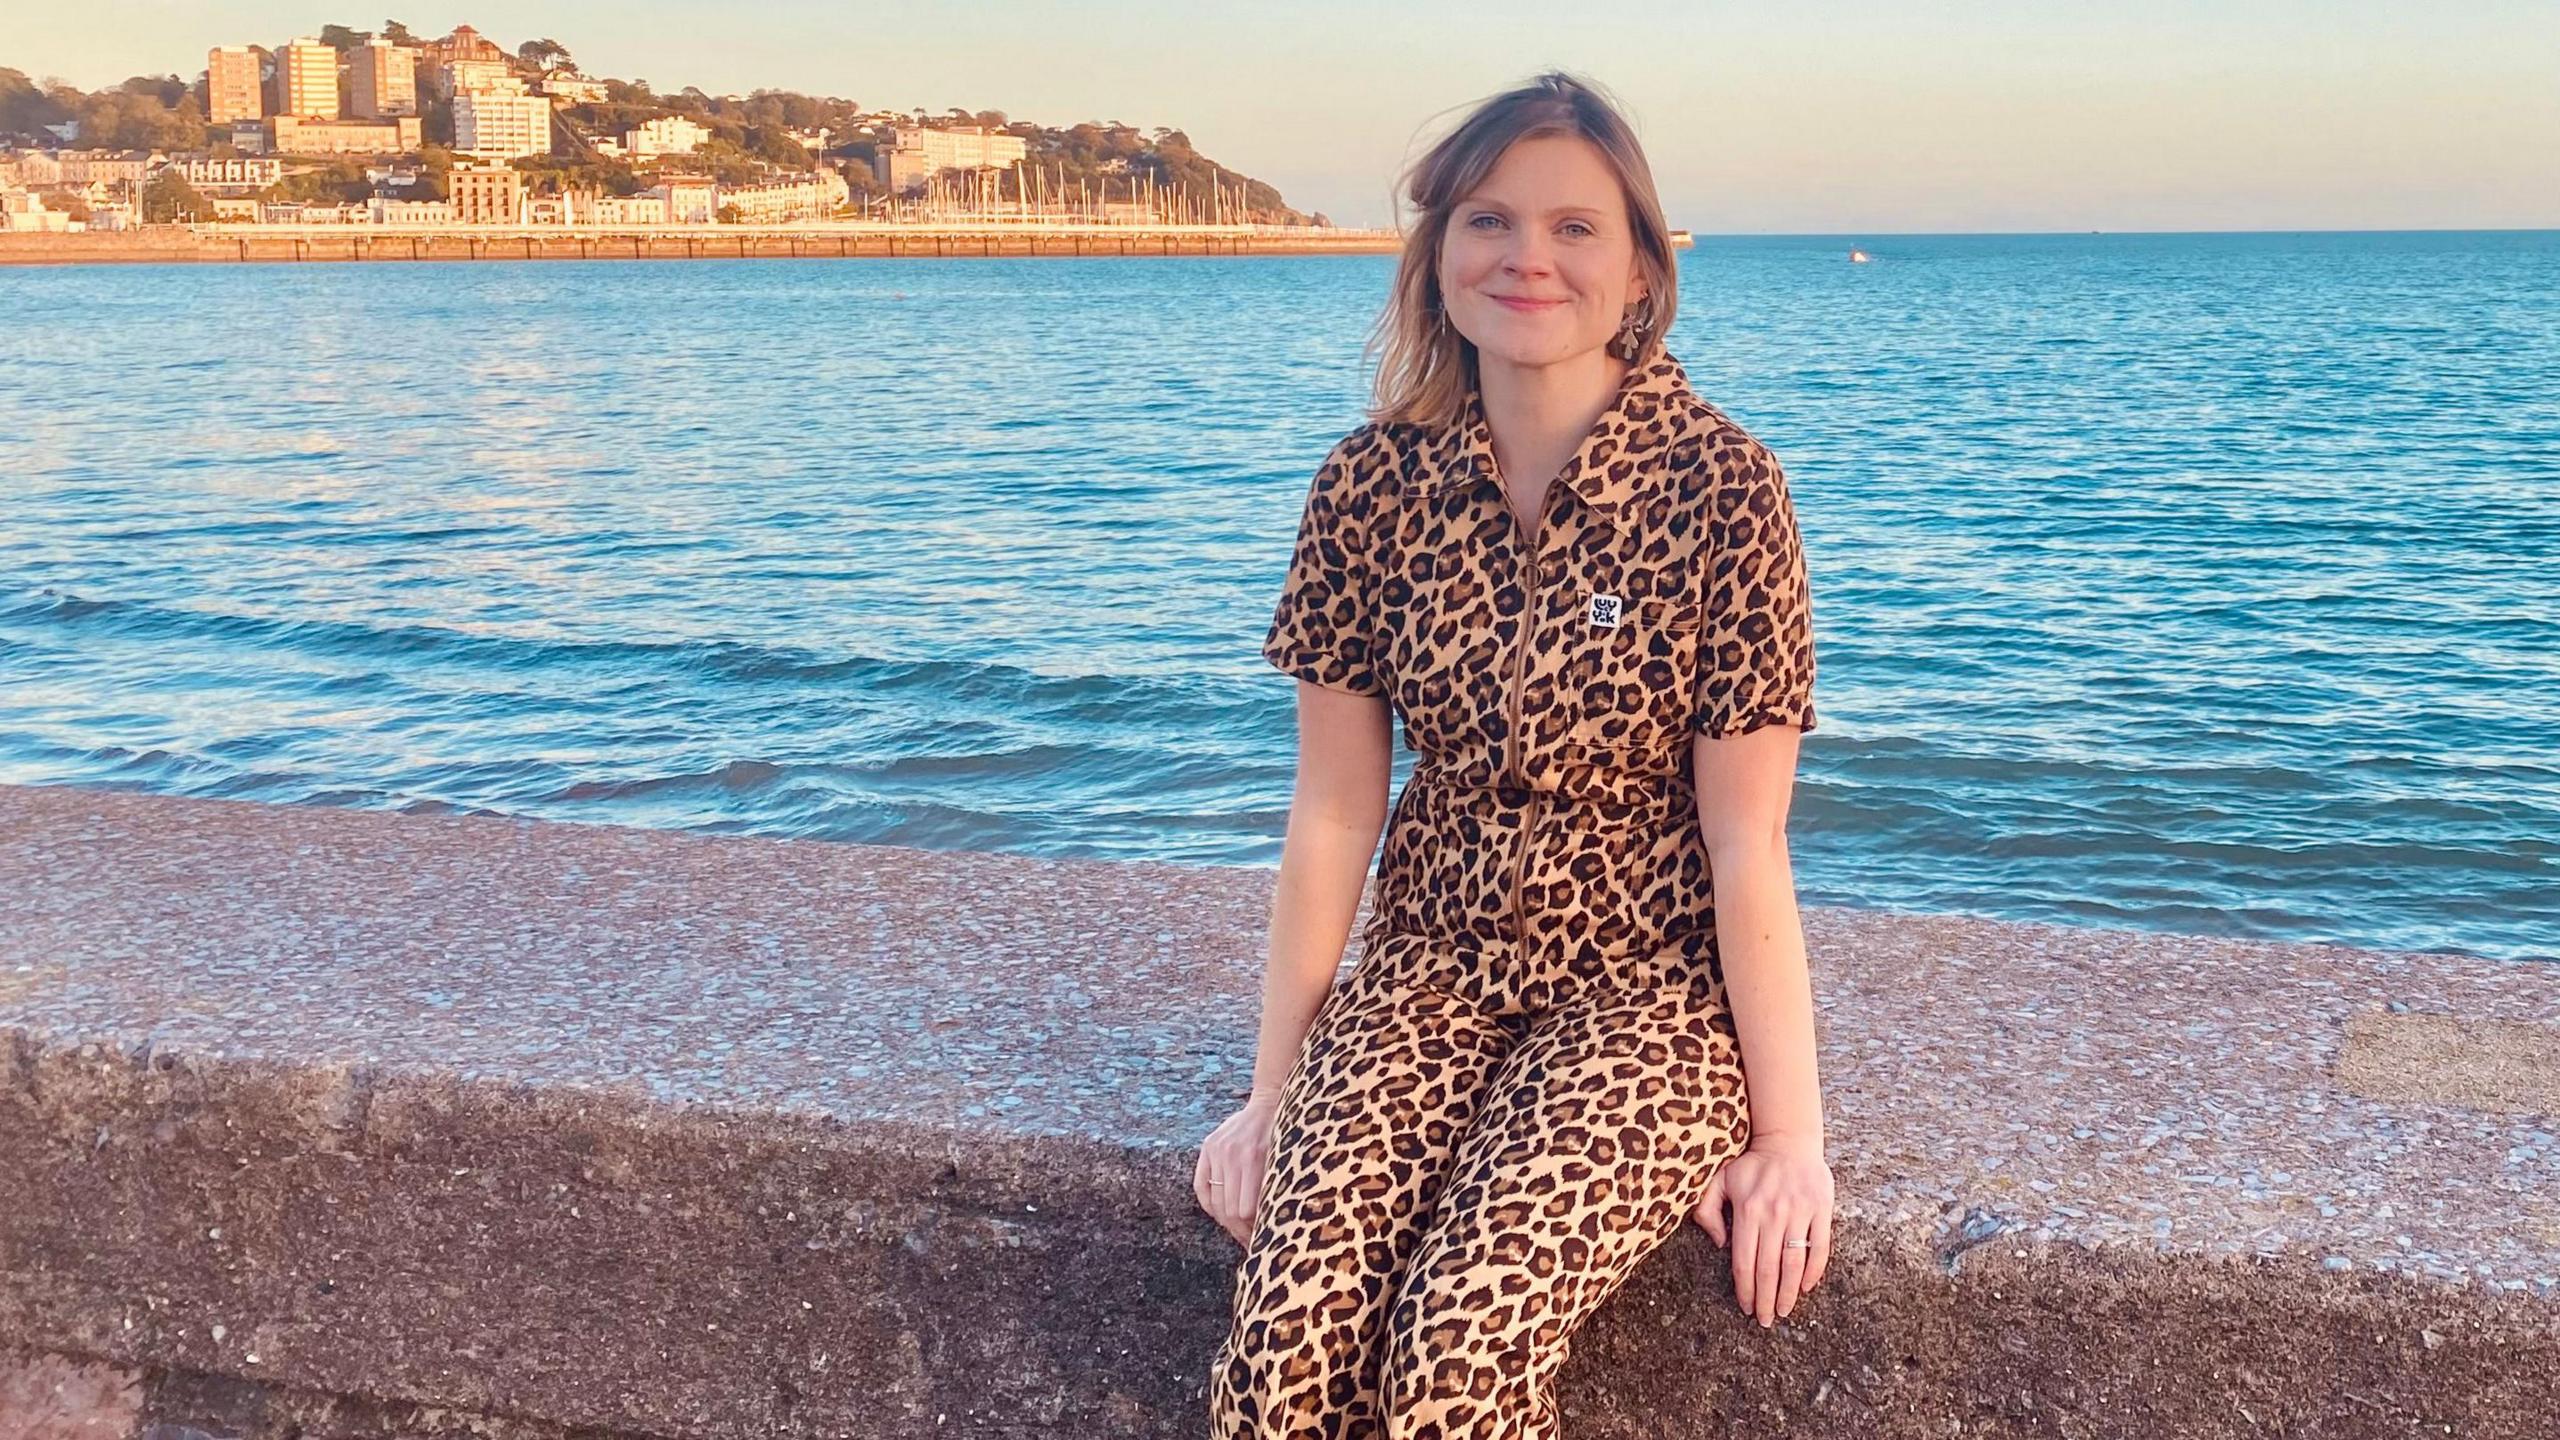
(162, 244)
(284, 243)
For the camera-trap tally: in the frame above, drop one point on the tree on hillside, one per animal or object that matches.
(545, 55)
(134, 116)
(339, 182)
(769, 143)
(168, 197)
(342, 39)
(167, 89)
(25, 109)
(397, 33)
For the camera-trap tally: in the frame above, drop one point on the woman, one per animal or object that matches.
(1582, 587)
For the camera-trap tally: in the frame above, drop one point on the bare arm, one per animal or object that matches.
(1336, 813)
(1780, 1187)
(1744, 785)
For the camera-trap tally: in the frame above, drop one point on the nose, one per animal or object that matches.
(1527, 260)
(1527, 255)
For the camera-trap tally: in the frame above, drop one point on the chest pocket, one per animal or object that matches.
(1628, 686)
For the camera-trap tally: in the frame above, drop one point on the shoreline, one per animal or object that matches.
(290, 244)
(814, 1138)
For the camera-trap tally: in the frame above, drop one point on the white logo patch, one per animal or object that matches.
(1604, 610)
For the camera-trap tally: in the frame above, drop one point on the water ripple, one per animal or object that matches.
(2204, 583)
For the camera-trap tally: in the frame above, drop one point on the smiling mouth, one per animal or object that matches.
(1515, 303)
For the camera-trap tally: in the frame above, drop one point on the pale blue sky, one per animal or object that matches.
(1818, 116)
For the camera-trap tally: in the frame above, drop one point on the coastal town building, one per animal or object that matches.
(570, 89)
(485, 194)
(30, 168)
(295, 135)
(798, 197)
(307, 79)
(22, 210)
(382, 80)
(501, 127)
(290, 212)
(448, 78)
(233, 174)
(910, 155)
(249, 137)
(235, 86)
(385, 211)
(666, 135)
(645, 209)
(464, 43)
(112, 167)
(690, 200)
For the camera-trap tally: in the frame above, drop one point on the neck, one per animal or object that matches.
(1542, 412)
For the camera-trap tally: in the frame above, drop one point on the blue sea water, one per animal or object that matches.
(2203, 583)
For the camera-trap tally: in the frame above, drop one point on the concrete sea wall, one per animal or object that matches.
(323, 1123)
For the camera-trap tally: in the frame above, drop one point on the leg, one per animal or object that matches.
(1390, 1075)
(1596, 1138)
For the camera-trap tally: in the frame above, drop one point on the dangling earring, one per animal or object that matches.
(1630, 337)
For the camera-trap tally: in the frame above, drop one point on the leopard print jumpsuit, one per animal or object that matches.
(1529, 1076)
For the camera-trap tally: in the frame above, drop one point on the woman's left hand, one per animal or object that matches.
(1780, 1190)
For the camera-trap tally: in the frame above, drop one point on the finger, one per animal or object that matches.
(1249, 1201)
(1710, 1211)
(1818, 1259)
(1790, 1268)
(1200, 1183)
(1746, 1238)
(1764, 1273)
(1222, 1189)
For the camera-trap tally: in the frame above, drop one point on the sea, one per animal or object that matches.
(2202, 583)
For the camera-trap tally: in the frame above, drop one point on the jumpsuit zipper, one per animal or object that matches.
(1511, 701)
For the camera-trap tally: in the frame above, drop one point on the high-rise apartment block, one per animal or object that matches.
(307, 80)
(382, 80)
(501, 127)
(233, 87)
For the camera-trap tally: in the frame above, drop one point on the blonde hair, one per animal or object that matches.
(1426, 367)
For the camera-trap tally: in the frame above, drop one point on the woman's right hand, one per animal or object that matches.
(1228, 1178)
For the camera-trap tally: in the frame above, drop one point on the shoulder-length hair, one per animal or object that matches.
(1426, 368)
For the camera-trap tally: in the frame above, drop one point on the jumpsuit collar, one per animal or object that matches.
(1594, 472)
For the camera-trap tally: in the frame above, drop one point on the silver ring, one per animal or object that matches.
(1792, 1244)
(1217, 1182)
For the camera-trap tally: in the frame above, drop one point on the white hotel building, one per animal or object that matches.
(497, 126)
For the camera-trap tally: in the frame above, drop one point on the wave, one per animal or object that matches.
(1116, 700)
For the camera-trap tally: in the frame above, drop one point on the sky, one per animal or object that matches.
(1829, 117)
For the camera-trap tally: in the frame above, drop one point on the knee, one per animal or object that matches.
(1456, 1375)
(1285, 1376)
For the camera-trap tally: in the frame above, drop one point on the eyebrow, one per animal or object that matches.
(1559, 210)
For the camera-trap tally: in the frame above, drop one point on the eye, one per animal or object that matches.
(1585, 229)
(1483, 215)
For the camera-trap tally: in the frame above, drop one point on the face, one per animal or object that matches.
(1539, 262)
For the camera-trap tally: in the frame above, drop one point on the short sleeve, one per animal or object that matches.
(1324, 626)
(1756, 663)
